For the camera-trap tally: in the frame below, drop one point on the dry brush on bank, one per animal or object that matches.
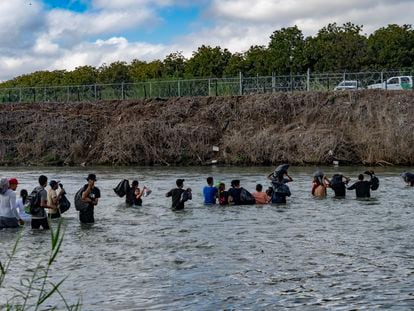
(368, 127)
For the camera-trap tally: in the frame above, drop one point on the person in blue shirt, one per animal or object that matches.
(210, 192)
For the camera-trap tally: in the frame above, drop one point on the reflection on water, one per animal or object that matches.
(309, 254)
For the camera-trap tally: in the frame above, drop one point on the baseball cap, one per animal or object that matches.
(53, 183)
(13, 181)
(179, 182)
(91, 177)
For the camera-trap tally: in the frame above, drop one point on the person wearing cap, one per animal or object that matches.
(90, 195)
(39, 216)
(179, 195)
(9, 217)
(53, 198)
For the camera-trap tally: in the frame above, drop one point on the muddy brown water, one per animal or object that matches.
(310, 254)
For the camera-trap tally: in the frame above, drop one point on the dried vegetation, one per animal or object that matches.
(367, 127)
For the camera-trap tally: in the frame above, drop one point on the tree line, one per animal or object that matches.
(335, 48)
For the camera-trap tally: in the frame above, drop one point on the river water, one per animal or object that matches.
(310, 254)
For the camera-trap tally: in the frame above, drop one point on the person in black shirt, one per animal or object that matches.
(179, 195)
(235, 192)
(338, 184)
(130, 193)
(362, 187)
(90, 195)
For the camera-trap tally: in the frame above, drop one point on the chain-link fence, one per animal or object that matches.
(240, 85)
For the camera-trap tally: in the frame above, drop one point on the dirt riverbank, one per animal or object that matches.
(367, 127)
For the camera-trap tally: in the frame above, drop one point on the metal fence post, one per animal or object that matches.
(20, 95)
(150, 89)
(179, 88)
(44, 94)
(122, 91)
(308, 80)
(240, 83)
(209, 87)
(273, 82)
(68, 94)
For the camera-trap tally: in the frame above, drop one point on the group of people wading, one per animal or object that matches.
(42, 205)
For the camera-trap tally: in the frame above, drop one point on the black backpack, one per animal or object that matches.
(122, 188)
(374, 183)
(186, 195)
(64, 204)
(79, 204)
(246, 198)
(337, 181)
(35, 201)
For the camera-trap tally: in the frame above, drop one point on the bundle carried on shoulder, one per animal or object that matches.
(374, 180)
(4, 185)
(281, 170)
(408, 177)
(122, 188)
(80, 205)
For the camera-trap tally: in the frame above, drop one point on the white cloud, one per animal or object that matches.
(312, 15)
(135, 4)
(34, 38)
(65, 24)
(20, 20)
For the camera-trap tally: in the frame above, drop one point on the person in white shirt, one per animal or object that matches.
(20, 205)
(9, 217)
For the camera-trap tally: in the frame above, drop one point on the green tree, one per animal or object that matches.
(256, 61)
(142, 71)
(391, 47)
(337, 48)
(174, 65)
(208, 62)
(116, 72)
(286, 51)
(235, 65)
(84, 75)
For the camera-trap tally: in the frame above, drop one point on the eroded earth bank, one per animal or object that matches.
(365, 127)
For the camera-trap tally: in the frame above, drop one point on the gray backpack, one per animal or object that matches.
(4, 185)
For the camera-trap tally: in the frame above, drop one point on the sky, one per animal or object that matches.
(64, 34)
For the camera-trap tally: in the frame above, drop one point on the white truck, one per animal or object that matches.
(394, 83)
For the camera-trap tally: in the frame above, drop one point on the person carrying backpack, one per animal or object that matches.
(179, 195)
(90, 196)
(363, 187)
(38, 204)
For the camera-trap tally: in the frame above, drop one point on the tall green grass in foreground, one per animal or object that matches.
(34, 291)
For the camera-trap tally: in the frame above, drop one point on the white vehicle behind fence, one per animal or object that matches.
(394, 83)
(348, 85)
